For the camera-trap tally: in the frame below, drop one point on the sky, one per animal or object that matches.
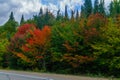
(31, 7)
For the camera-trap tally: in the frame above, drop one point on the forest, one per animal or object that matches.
(86, 42)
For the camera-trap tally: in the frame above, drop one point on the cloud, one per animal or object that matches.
(5, 10)
(70, 3)
(107, 2)
(19, 7)
(30, 7)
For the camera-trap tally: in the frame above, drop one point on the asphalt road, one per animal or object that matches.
(21, 75)
(13, 76)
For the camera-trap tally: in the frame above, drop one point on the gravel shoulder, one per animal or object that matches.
(53, 76)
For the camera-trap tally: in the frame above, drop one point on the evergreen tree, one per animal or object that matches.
(10, 25)
(58, 15)
(66, 13)
(11, 17)
(101, 7)
(22, 20)
(77, 14)
(114, 8)
(82, 11)
(39, 20)
(45, 19)
(72, 14)
(111, 9)
(87, 8)
(46, 16)
(41, 12)
(96, 6)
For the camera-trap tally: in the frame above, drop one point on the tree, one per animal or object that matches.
(11, 17)
(58, 15)
(87, 8)
(31, 44)
(77, 15)
(96, 21)
(66, 13)
(22, 20)
(46, 19)
(114, 8)
(6, 31)
(111, 9)
(82, 12)
(72, 14)
(38, 45)
(107, 50)
(18, 40)
(41, 12)
(18, 58)
(10, 26)
(68, 46)
(102, 7)
(96, 6)
(3, 50)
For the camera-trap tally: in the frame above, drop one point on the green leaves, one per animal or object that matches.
(3, 45)
(107, 50)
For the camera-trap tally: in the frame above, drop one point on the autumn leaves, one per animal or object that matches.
(30, 43)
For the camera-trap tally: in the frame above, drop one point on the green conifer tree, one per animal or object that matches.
(41, 12)
(11, 17)
(22, 20)
(87, 8)
(66, 13)
(77, 14)
(102, 7)
(96, 6)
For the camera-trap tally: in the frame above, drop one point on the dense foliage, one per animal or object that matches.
(86, 43)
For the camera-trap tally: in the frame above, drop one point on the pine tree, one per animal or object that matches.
(43, 19)
(72, 14)
(114, 8)
(47, 15)
(58, 15)
(111, 9)
(101, 7)
(96, 6)
(77, 14)
(10, 25)
(87, 8)
(22, 20)
(11, 18)
(66, 13)
(82, 12)
(41, 12)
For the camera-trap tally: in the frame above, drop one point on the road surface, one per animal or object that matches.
(20, 75)
(14, 76)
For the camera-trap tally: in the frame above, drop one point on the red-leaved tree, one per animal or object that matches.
(38, 44)
(30, 44)
(18, 40)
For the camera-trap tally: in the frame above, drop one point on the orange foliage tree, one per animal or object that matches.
(38, 44)
(30, 43)
(96, 20)
(18, 40)
(94, 24)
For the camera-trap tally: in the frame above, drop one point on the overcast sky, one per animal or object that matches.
(30, 7)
